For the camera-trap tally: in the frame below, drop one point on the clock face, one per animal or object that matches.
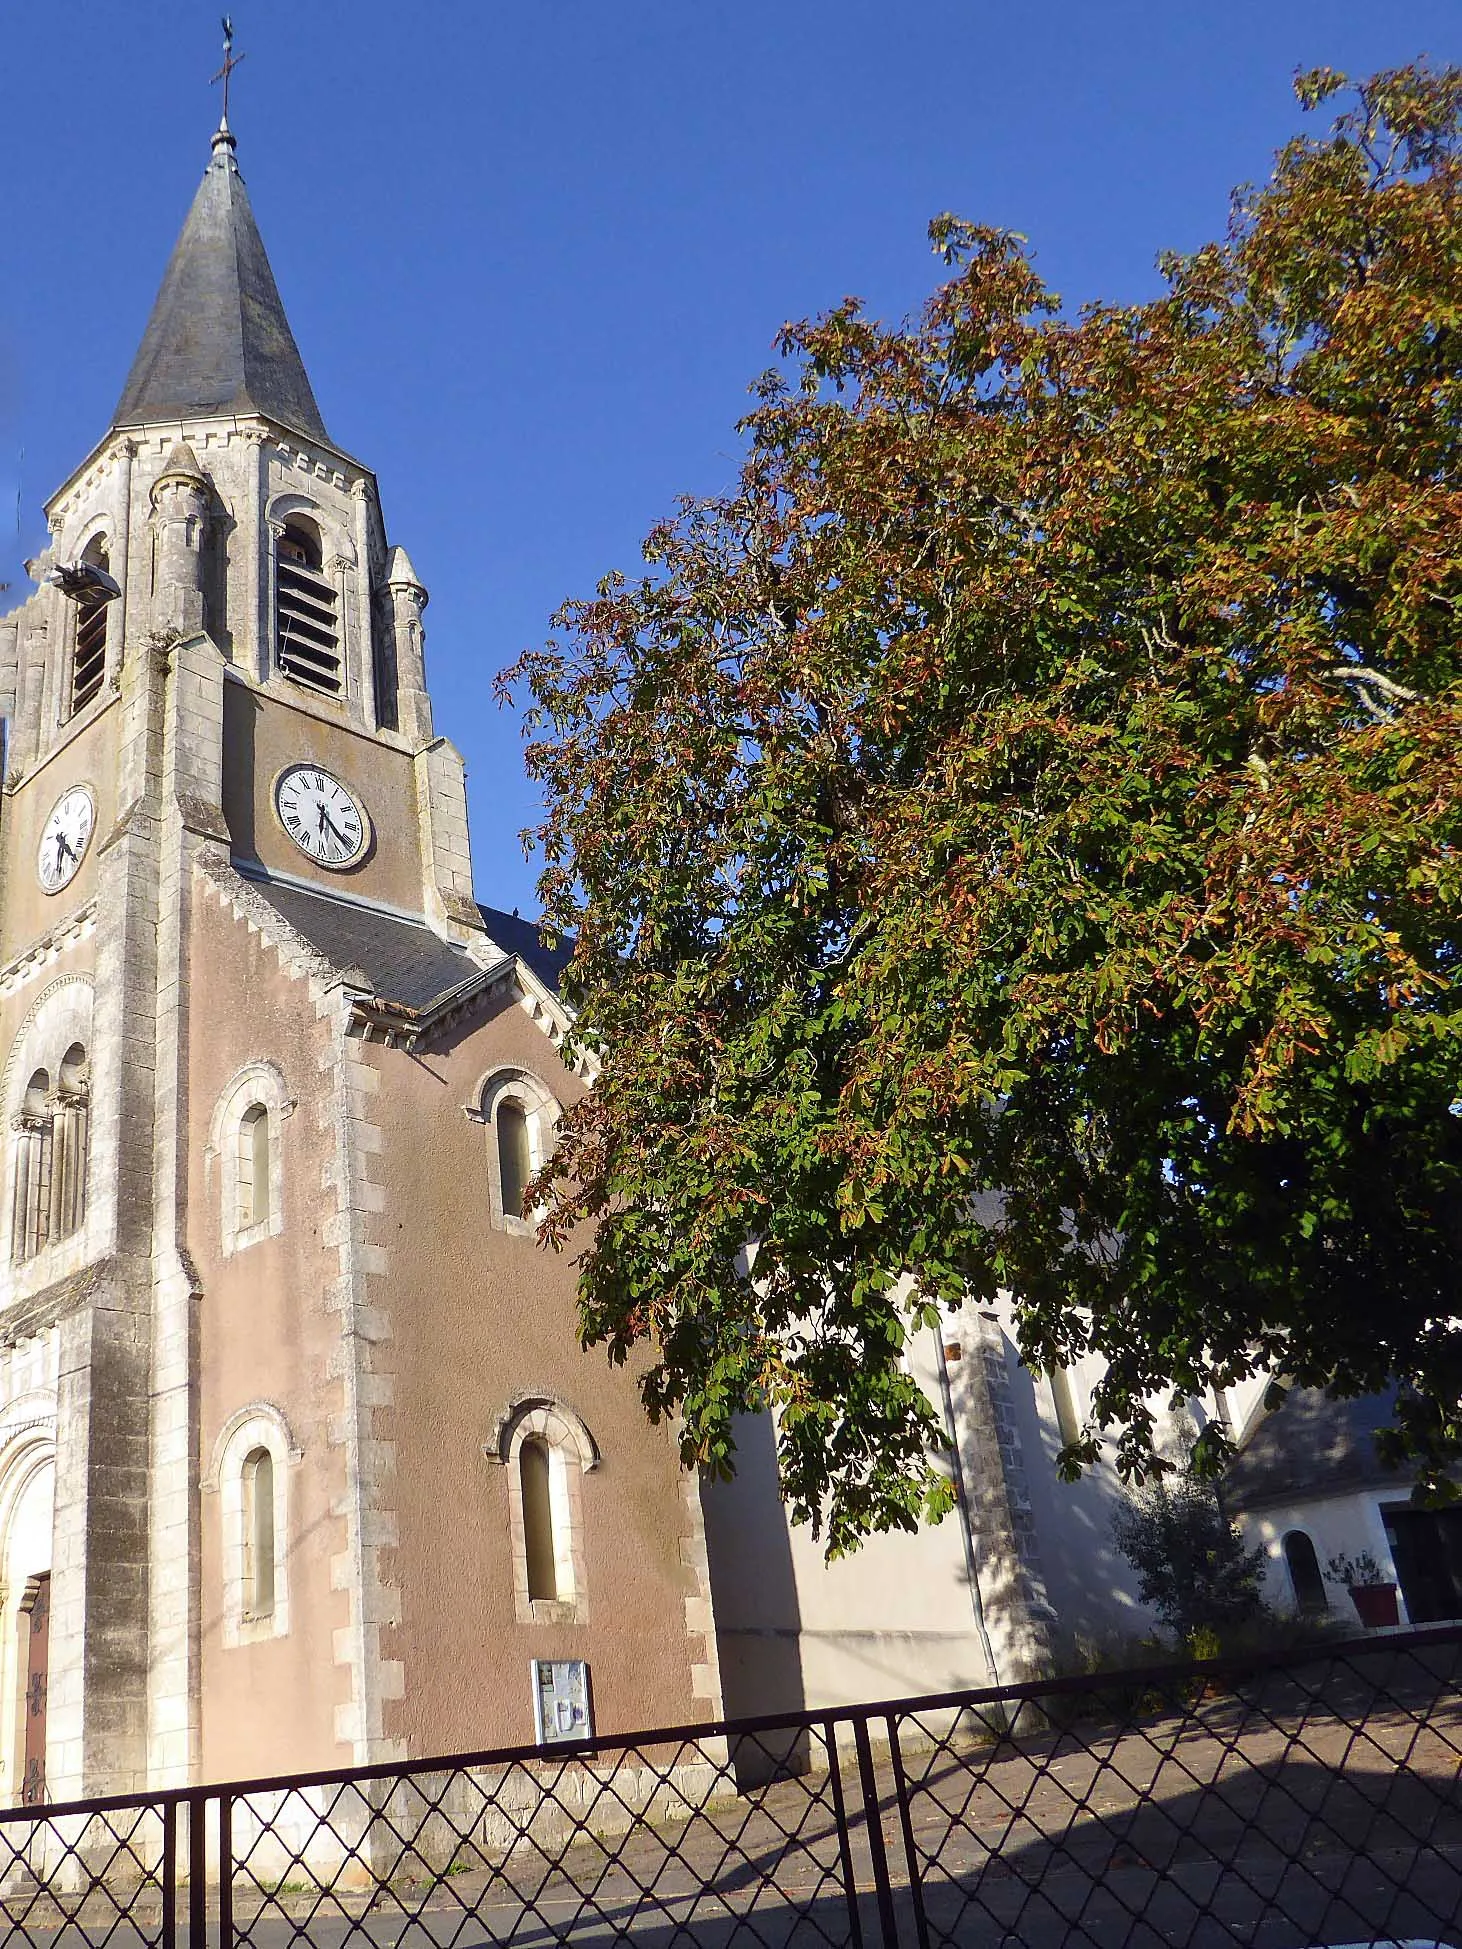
(325, 820)
(65, 838)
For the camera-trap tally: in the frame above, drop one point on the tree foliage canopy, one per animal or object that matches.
(1012, 842)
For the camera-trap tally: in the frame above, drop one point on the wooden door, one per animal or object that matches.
(38, 1659)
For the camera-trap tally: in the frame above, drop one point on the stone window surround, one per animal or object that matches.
(541, 1112)
(258, 1425)
(59, 1017)
(258, 1084)
(98, 527)
(27, 1448)
(572, 1454)
(339, 564)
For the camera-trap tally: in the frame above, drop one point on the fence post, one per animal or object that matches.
(845, 1844)
(906, 1825)
(197, 1874)
(225, 1871)
(170, 1874)
(873, 1821)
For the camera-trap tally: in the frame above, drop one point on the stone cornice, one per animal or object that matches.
(44, 953)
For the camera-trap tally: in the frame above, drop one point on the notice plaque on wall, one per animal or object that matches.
(561, 1709)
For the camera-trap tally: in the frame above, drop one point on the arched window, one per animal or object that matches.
(252, 1462)
(31, 1198)
(538, 1539)
(513, 1156)
(70, 1142)
(50, 1120)
(521, 1115)
(246, 1147)
(306, 622)
(254, 1167)
(546, 1451)
(1304, 1574)
(89, 663)
(256, 1484)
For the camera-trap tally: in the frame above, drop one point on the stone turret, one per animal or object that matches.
(408, 602)
(179, 512)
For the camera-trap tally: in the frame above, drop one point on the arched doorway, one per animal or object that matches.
(1304, 1574)
(27, 1501)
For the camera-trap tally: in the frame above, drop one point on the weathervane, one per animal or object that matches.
(229, 63)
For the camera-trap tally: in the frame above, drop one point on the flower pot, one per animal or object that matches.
(1375, 1604)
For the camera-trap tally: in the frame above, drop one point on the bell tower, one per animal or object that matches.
(222, 661)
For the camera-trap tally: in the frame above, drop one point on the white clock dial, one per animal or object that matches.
(325, 820)
(65, 838)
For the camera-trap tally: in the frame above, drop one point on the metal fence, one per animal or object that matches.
(1311, 1799)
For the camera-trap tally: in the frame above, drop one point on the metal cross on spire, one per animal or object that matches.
(229, 64)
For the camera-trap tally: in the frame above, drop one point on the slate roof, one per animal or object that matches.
(1312, 1446)
(218, 340)
(523, 938)
(399, 960)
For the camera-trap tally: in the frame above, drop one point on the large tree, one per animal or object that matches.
(1012, 842)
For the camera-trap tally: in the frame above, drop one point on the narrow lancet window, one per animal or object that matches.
(253, 1167)
(515, 1165)
(538, 1540)
(307, 626)
(89, 664)
(70, 1142)
(258, 1538)
(31, 1186)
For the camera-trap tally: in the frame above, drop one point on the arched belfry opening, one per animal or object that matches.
(306, 610)
(89, 661)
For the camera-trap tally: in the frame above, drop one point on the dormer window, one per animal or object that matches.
(307, 627)
(89, 664)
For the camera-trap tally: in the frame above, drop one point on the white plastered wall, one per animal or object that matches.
(1344, 1525)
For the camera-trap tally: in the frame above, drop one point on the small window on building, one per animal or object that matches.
(245, 1147)
(515, 1164)
(89, 664)
(253, 1167)
(307, 625)
(538, 1539)
(1304, 1575)
(31, 1184)
(70, 1143)
(257, 1484)
(520, 1115)
(546, 1451)
(250, 1469)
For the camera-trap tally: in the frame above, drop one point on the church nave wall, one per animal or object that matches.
(481, 1356)
(268, 1351)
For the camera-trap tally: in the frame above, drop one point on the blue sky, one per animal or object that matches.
(534, 254)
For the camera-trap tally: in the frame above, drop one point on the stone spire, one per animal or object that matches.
(218, 340)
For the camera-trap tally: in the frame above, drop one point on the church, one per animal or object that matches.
(300, 1463)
